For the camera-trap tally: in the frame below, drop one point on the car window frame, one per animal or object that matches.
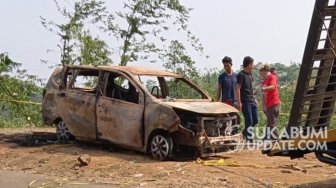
(65, 86)
(104, 80)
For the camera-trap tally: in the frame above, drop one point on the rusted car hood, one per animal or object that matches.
(203, 107)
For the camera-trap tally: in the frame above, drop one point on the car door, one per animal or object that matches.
(120, 110)
(77, 102)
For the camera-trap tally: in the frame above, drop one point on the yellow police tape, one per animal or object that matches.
(23, 102)
(222, 162)
(216, 162)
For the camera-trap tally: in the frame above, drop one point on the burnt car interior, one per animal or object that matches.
(119, 87)
(171, 88)
(82, 80)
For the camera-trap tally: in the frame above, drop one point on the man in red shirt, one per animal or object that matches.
(271, 94)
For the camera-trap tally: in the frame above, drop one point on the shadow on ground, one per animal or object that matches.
(29, 138)
(39, 139)
(325, 184)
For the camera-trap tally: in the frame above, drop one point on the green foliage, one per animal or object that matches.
(7, 65)
(138, 30)
(180, 90)
(145, 23)
(18, 91)
(79, 47)
(177, 60)
(93, 51)
(209, 81)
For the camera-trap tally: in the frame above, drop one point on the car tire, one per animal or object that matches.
(161, 147)
(62, 132)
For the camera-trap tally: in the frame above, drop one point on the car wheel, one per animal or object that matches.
(161, 147)
(62, 132)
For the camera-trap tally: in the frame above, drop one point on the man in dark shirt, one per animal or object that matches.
(246, 100)
(226, 91)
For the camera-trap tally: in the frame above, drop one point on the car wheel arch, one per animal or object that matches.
(160, 145)
(152, 134)
(58, 119)
(61, 138)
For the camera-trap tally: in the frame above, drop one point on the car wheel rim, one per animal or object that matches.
(63, 134)
(160, 147)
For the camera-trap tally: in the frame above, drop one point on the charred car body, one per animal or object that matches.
(144, 109)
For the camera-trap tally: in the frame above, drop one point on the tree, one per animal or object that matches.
(93, 51)
(78, 46)
(145, 23)
(176, 59)
(209, 81)
(137, 31)
(18, 90)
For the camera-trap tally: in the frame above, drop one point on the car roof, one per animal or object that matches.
(131, 69)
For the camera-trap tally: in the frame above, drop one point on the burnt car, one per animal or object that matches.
(143, 109)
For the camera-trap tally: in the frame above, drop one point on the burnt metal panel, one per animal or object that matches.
(78, 111)
(203, 107)
(141, 71)
(130, 69)
(120, 121)
(158, 116)
(49, 109)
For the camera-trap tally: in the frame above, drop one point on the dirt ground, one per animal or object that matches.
(33, 151)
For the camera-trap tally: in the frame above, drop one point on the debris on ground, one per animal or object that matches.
(138, 175)
(84, 159)
(286, 171)
(55, 183)
(293, 167)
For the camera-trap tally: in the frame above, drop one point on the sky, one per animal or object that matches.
(270, 31)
